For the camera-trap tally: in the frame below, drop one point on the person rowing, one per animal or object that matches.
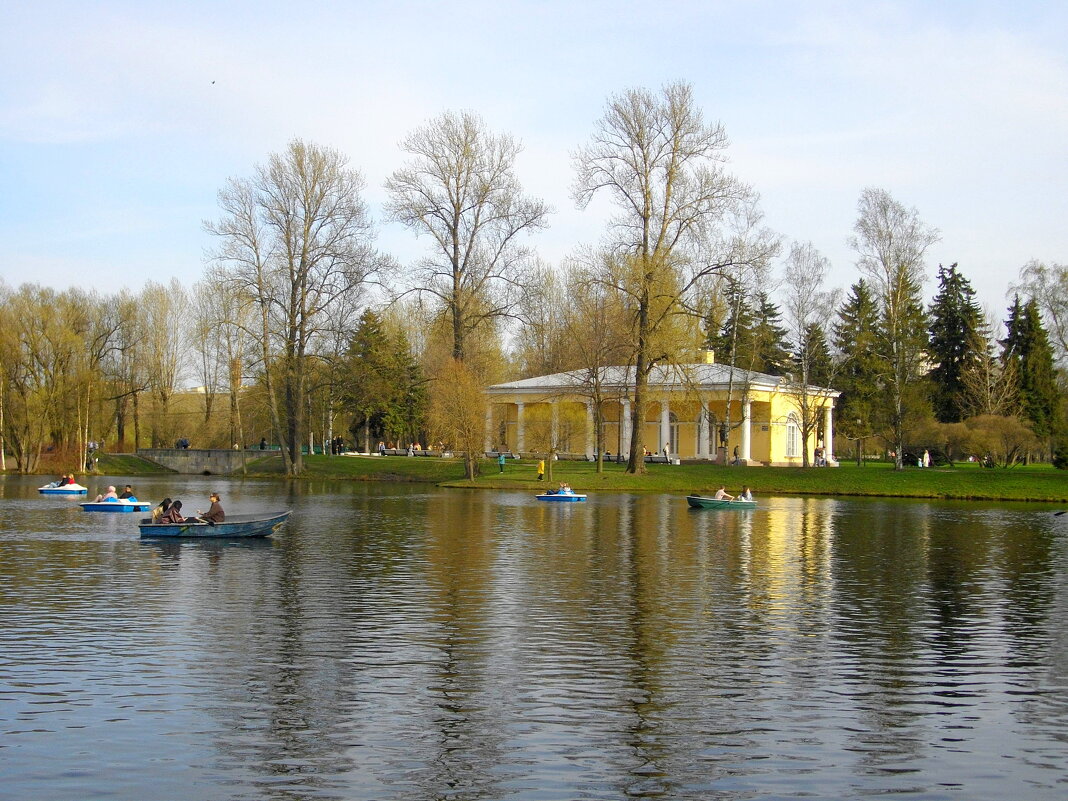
(721, 494)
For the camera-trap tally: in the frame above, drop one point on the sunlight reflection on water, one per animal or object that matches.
(395, 642)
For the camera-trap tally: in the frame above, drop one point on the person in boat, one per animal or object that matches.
(110, 495)
(215, 513)
(160, 510)
(746, 494)
(721, 494)
(127, 494)
(172, 515)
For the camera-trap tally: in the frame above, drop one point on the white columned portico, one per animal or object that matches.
(702, 433)
(624, 423)
(747, 422)
(590, 439)
(520, 432)
(665, 426)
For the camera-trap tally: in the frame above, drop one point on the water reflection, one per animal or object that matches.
(395, 642)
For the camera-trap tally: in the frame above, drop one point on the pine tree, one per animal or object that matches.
(860, 372)
(732, 341)
(771, 354)
(818, 355)
(1026, 346)
(956, 325)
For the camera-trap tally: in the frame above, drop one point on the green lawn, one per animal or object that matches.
(964, 481)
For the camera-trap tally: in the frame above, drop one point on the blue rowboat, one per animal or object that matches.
(564, 496)
(701, 502)
(234, 526)
(120, 505)
(66, 489)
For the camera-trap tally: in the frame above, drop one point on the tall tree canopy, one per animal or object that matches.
(956, 328)
(1026, 346)
(460, 189)
(296, 242)
(891, 242)
(680, 218)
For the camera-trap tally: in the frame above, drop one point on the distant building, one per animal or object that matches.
(686, 413)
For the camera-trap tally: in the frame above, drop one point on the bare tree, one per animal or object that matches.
(807, 306)
(681, 217)
(296, 240)
(891, 242)
(460, 189)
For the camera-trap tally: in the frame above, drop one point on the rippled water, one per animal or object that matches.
(399, 642)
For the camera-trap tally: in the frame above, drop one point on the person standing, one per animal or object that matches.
(541, 469)
(500, 461)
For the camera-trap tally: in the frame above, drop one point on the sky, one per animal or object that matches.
(121, 121)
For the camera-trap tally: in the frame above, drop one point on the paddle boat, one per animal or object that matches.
(565, 495)
(701, 502)
(117, 505)
(261, 525)
(65, 489)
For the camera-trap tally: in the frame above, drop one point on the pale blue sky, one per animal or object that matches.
(114, 141)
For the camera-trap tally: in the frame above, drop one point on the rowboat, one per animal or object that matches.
(234, 526)
(561, 496)
(117, 505)
(66, 489)
(701, 502)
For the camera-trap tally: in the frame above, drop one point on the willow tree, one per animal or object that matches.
(296, 243)
(680, 219)
(460, 189)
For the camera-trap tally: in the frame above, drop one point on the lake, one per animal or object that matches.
(395, 641)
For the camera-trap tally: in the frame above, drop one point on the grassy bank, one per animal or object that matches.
(964, 481)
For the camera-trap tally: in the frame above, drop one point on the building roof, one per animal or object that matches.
(617, 380)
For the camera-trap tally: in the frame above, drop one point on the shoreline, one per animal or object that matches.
(964, 481)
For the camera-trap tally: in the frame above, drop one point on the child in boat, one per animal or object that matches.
(173, 514)
(746, 494)
(161, 510)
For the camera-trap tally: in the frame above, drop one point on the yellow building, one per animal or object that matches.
(686, 415)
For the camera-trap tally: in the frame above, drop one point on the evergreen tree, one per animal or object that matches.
(731, 342)
(770, 351)
(383, 386)
(1026, 346)
(820, 365)
(860, 372)
(956, 325)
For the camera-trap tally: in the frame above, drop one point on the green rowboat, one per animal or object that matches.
(701, 502)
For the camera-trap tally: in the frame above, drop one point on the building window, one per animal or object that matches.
(793, 438)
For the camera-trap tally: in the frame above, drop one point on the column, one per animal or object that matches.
(828, 433)
(625, 423)
(665, 426)
(487, 444)
(747, 421)
(520, 433)
(702, 432)
(591, 440)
